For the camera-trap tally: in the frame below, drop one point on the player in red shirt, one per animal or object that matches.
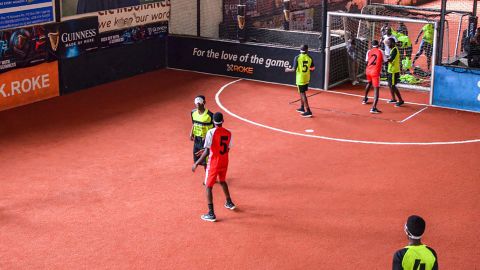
(217, 145)
(375, 59)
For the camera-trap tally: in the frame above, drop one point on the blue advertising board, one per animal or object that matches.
(457, 87)
(19, 13)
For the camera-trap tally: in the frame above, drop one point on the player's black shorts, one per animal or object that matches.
(302, 88)
(198, 143)
(393, 78)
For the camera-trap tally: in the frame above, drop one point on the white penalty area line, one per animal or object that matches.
(413, 115)
(289, 85)
(219, 103)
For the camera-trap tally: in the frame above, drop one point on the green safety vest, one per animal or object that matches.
(406, 63)
(202, 123)
(304, 62)
(394, 66)
(418, 256)
(428, 33)
(405, 40)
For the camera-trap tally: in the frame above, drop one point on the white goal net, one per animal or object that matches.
(349, 37)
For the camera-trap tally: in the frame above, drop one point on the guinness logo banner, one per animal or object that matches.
(74, 37)
(54, 40)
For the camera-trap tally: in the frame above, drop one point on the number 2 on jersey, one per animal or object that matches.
(374, 62)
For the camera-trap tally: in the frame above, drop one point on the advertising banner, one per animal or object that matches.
(27, 85)
(133, 35)
(457, 87)
(18, 13)
(25, 47)
(302, 20)
(237, 60)
(129, 16)
(74, 38)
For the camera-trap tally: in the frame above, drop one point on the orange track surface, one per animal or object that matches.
(101, 179)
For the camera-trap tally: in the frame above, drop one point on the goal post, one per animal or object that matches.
(365, 28)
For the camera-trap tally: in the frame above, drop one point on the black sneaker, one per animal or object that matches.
(375, 110)
(209, 217)
(392, 101)
(400, 103)
(301, 110)
(307, 114)
(230, 205)
(365, 101)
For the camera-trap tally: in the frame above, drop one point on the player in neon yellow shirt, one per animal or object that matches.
(393, 73)
(303, 66)
(415, 256)
(427, 43)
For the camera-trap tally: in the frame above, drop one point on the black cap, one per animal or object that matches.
(304, 48)
(415, 225)
(375, 43)
(218, 118)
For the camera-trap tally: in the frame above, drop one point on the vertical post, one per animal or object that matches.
(198, 18)
(326, 52)
(441, 33)
(474, 12)
(432, 79)
(286, 14)
(324, 44)
(58, 12)
(241, 21)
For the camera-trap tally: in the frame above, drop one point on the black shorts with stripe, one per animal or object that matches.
(198, 144)
(302, 88)
(393, 78)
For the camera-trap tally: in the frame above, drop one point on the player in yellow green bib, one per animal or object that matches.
(202, 122)
(393, 73)
(427, 43)
(415, 256)
(303, 66)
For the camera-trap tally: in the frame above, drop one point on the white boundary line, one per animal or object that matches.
(406, 119)
(309, 88)
(321, 90)
(219, 103)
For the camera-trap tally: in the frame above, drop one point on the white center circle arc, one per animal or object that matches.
(219, 103)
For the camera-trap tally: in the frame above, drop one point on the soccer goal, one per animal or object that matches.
(416, 70)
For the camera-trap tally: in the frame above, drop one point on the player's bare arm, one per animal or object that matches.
(202, 157)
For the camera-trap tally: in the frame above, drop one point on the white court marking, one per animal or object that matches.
(219, 103)
(413, 115)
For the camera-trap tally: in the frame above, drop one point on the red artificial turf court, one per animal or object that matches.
(100, 179)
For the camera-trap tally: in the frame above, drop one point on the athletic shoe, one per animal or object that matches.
(354, 82)
(375, 110)
(230, 205)
(392, 101)
(307, 114)
(209, 217)
(400, 103)
(365, 101)
(301, 110)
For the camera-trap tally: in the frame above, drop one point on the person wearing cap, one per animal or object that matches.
(217, 146)
(202, 122)
(375, 60)
(303, 65)
(415, 255)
